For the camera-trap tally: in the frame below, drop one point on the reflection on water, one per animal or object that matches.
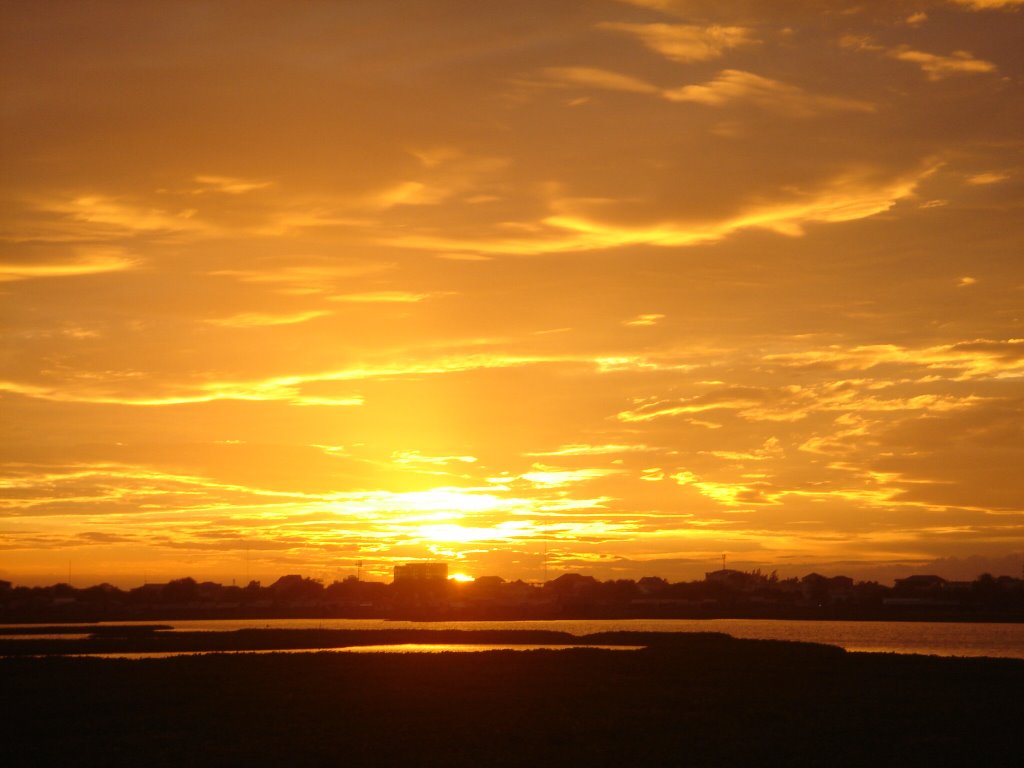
(938, 638)
(470, 647)
(402, 648)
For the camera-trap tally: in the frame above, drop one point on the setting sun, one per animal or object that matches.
(629, 283)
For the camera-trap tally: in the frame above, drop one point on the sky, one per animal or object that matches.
(612, 288)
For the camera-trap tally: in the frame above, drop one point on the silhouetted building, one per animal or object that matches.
(919, 583)
(823, 589)
(421, 572)
(738, 580)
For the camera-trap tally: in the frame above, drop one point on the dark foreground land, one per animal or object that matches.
(686, 699)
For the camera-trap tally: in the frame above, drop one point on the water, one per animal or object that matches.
(933, 638)
(400, 648)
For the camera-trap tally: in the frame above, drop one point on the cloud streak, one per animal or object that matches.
(729, 87)
(938, 67)
(685, 42)
(847, 197)
(89, 263)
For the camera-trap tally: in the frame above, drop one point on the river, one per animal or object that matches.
(933, 638)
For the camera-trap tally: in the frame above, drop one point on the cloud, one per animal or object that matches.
(850, 196)
(542, 475)
(306, 276)
(415, 457)
(728, 494)
(966, 360)
(990, 177)
(299, 218)
(935, 66)
(291, 389)
(118, 487)
(590, 77)
(583, 449)
(726, 399)
(645, 320)
(447, 172)
(89, 263)
(282, 390)
(845, 198)
(103, 216)
(229, 185)
(685, 42)
(382, 297)
(733, 85)
(859, 43)
(410, 193)
(771, 449)
(796, 402)
(812, 375)
(938, 67)
(984, 5)
(259, 319)
(636, 363)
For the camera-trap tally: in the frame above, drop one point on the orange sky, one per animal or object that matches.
(289, 286)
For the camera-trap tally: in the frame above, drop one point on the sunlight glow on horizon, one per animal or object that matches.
(606, 288)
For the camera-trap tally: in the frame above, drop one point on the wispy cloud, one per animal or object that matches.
(104, 216)
(382, 297)
(88, 263)
(228, 185)
(976, 358)
(989, 177)
(733, 85)
(593, 77)
(685, 42)
(729, 494)
(771, 449)
(260, 319)
(935, 66)
(281, 390)
(584, 449)
(938, 67)
(645, 320)
(415, 457)
(410, 193)
(982, 5)
(292, 389)
(848, 197)
(659, 409)
(306, 276)
(543, 475)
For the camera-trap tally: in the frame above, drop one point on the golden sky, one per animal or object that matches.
(289, 286)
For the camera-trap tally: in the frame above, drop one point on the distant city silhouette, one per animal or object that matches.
(422, 590)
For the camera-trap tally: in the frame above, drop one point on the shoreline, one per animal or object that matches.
(910, 615)
(163, 639)
(699, 699)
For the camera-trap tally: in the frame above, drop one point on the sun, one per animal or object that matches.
(461, 577)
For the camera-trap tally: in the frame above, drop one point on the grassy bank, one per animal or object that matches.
(703, 700)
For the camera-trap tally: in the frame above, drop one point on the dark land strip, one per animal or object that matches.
(688, 699)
